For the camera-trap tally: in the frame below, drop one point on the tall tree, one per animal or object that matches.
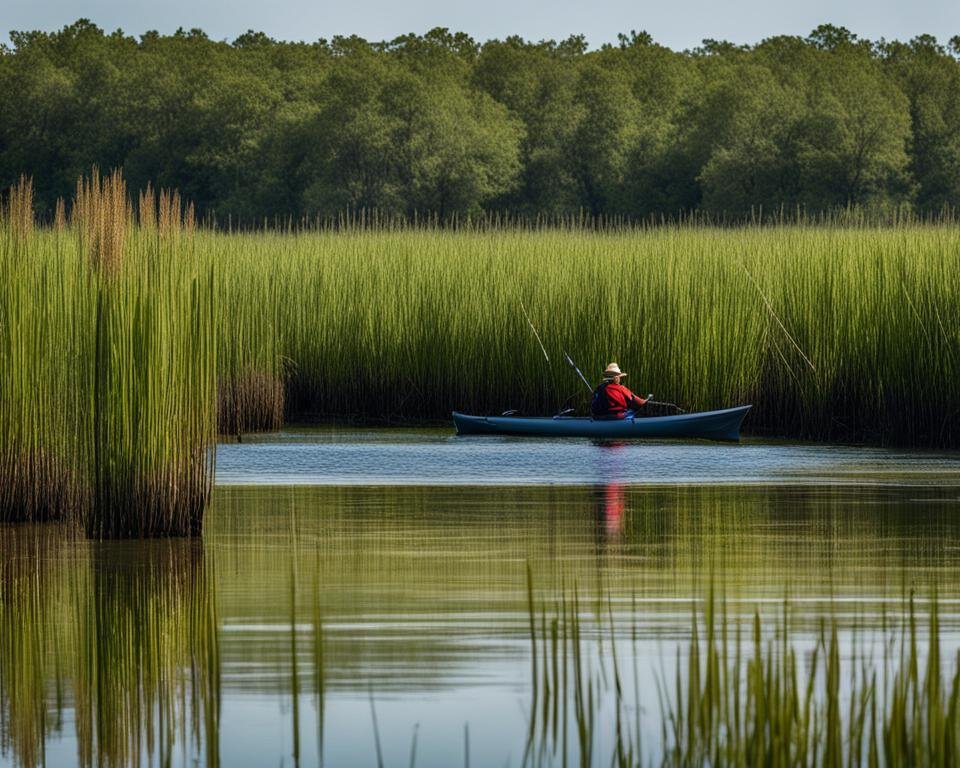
(930, 78)
(753, 164)
(607, 122)
(537, 83)
(854, 148)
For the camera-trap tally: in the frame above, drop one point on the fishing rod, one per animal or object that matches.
(579, 373)
(533, 328)
(553, 376)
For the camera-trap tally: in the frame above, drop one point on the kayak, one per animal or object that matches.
(709, 425)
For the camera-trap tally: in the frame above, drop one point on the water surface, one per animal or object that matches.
(343, 574)
(340, 456)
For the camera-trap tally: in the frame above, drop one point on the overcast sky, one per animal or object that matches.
(679, 24)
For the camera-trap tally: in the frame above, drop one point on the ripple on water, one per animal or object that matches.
(435, 457)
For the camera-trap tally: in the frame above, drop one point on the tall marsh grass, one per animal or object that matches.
(128, 337)
(832, 333)
(108, 348)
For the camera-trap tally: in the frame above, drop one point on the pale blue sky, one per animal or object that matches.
(678, 24)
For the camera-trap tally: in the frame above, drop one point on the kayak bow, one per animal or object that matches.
(709, 425)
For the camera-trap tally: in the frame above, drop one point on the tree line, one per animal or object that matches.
(440, 124)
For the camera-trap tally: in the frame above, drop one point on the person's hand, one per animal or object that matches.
(650, 396)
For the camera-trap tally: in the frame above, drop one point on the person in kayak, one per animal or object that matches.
(612, 400)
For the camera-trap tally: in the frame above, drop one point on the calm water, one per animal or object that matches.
(436, 457)
(344, 574)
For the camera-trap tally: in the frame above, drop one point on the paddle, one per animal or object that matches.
(666, 405)
(590, 389)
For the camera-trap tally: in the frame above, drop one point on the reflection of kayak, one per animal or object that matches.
(711, 425)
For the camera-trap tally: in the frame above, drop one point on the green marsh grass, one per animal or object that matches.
(129, 339)
(43, 312)
(108, 347)
(847, 333)
(745, 693)
(251, 375)
(153, 369)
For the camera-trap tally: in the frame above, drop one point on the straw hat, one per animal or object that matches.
(612, 371)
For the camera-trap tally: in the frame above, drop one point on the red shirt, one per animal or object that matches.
(612, 401)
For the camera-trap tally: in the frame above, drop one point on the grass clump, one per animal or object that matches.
(774, 706)
(108, 332)
(746, 698)
(42, 320)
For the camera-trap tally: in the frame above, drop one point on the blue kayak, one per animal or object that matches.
(709, 425)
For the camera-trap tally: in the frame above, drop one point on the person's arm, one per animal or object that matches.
(636, 400)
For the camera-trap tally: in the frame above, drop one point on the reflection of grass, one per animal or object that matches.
(127, 638)
(397, 589)
(401, 547)
(32, 650)
(747, 702)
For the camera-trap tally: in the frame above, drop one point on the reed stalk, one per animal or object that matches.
(130, 337)
(768, 703)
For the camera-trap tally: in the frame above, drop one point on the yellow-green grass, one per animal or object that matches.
(152, 398)
(125, 344)
(108, 352)
(832, 333)
(42, 319)
(744, 694)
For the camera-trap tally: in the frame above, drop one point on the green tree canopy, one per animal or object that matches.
(441, 124)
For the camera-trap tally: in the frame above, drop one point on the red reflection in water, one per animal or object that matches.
(614, 505)
(611, 498)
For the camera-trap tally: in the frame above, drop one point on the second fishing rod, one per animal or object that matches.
(575, 367)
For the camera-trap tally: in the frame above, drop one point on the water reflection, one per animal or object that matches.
(425, 457)
(119, 640)
(610, 503)
(610, 493)
(265, 643)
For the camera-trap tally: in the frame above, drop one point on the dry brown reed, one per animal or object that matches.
(169, 213)
(252, 401)
(102, 214)
(19, 208)
(147, 209)
(60, 215)
(165, 213)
